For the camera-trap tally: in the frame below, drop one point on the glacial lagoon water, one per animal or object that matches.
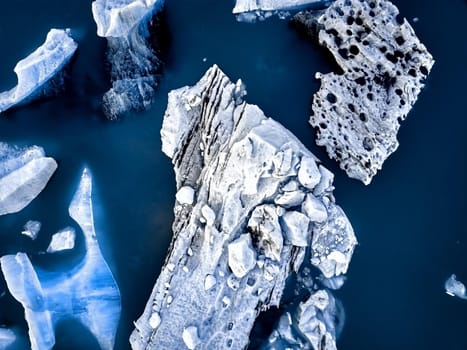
(410, 221)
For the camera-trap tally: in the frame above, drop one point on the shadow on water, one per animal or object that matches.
(410, 221)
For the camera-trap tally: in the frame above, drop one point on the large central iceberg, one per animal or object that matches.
(128, 27)
(252, 203)
(87, 293)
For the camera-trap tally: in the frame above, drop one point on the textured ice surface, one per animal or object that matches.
(227, 264)
(455, 288)
(252, 10)
(24, 173)
(62, 240)
(129, 27)
(357, 113)
(31, 229)
(87, 293)
(40, 74)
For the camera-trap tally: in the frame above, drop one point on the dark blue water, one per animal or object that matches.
(411, 221)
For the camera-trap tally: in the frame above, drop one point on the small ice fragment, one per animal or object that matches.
(242, 257)
(62, 240)
(309, 174)
(209, 282)
(7, 337)
(185, 195)
(208, 215)
(190, 337)
(295, 226)
(31, 229)
(155, 320)
(455, 288)
(204, 59)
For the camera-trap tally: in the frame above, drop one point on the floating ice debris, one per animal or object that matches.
(455, 288)
(237, 163)
(128, 26)
(24, 173)
(185, 195)
(357, 113)
(7, 337)
(252, 10)
(40, 74)
(62, 240)
(31, 229)
(87, 293)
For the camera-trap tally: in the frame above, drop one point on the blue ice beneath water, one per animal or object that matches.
(87, 293)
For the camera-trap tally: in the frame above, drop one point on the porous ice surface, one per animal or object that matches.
(129, 26)
(87, 293)
(62, 240)
(455, 288)
(223, 268)
(40, 74)
(357, 113)
(252, 10)
(24, 173)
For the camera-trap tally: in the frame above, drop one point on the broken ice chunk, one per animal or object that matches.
(87, 293)
(264, 225)
(39, 68)
(190, 337)
(242, 257)
(62, 240)
(154, 320)
(208, 215)
(31, 229)
(309, 174)
(455, 288)
(314, 209)
(295, 225)
(185, 195)
(23, 175)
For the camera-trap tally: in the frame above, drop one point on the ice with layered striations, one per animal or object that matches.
(252, 10)
(357, 114)
(237, 228)
(128, 26)
(87, 293)
(24, 173)
(41, 73)
(455, 288)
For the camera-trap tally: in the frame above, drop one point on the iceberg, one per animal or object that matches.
(234, 247)
(455, 288)
(24, 173)
(357, 113)
(41, 73)
(31, 229)
(87, 293)
(252, 10)
(62, 240)
(128, 27)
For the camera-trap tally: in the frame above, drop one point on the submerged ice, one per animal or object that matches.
(40, 74)
(24, 173)
(455, 288)
(87, 293)
(128, 26)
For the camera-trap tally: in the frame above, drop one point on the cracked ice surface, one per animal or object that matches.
(24, 173)
(40, 73)
(87, 293)
(252, 10)
(135, 67)
(237, 219)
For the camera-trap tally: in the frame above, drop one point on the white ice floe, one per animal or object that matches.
(24, 173)
(31, 229)
(39, 68)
